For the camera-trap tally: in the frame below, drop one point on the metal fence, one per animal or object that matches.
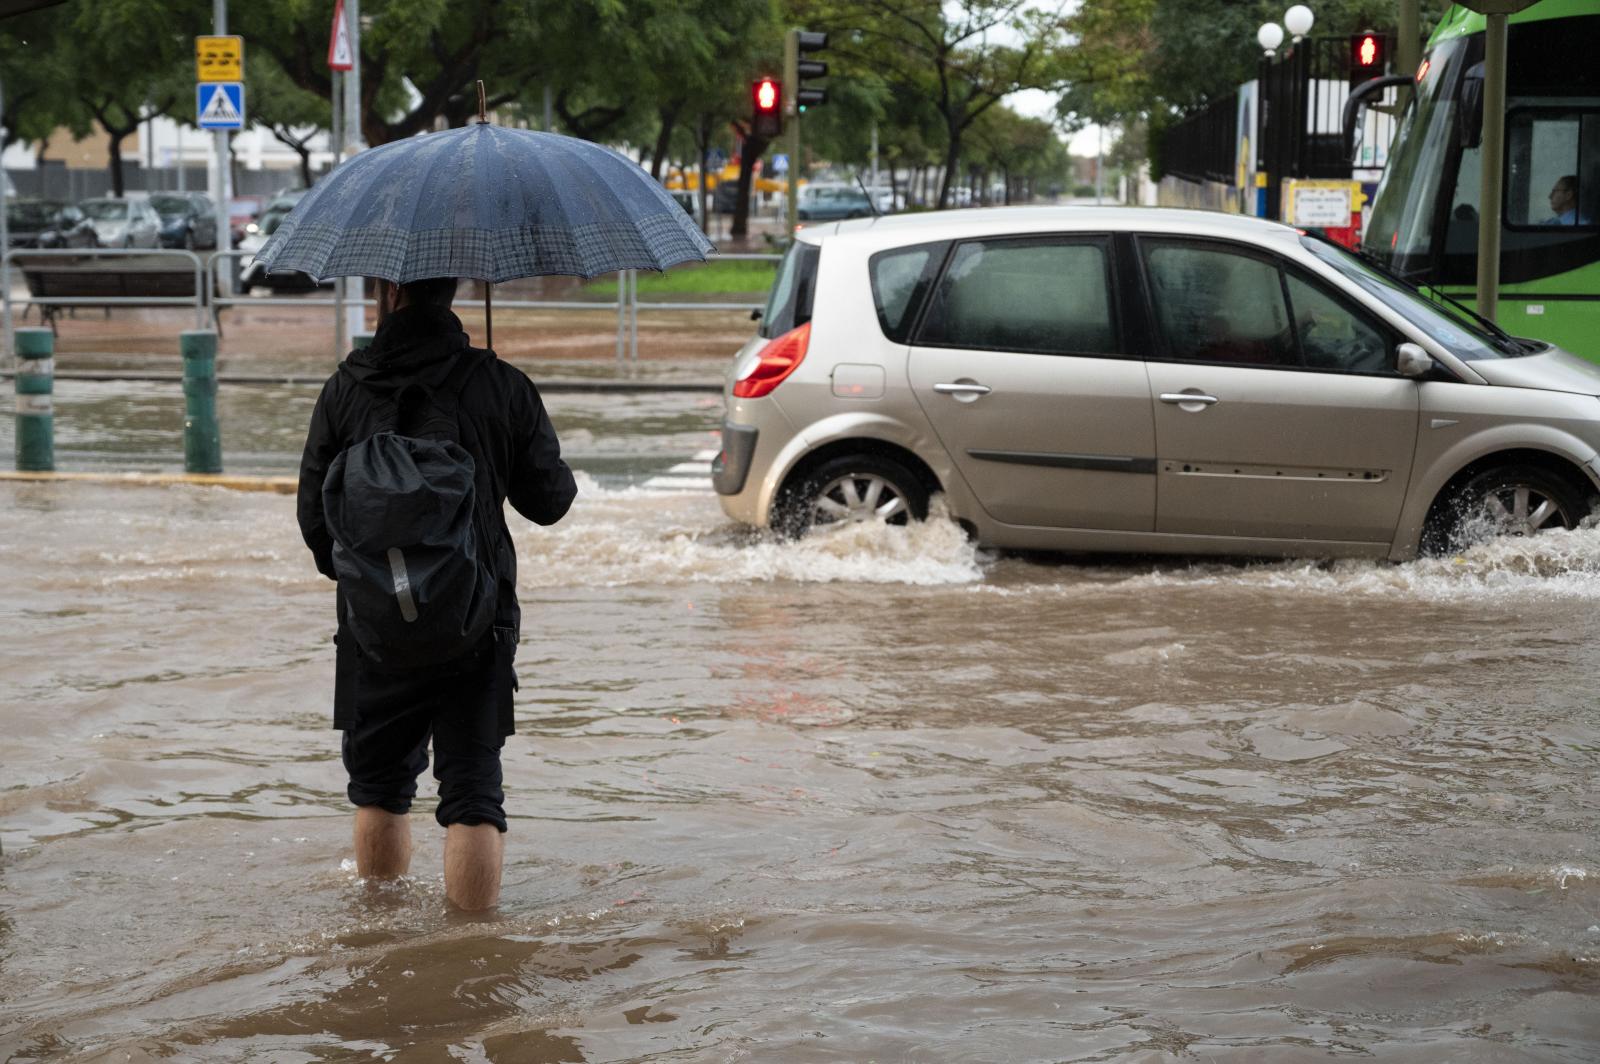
(213, 293)
(1204, 145)
(195, 299)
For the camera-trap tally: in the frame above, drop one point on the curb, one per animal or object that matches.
(549, 387)
(279, 485)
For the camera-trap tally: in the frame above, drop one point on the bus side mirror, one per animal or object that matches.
(1361, 97)
(1469, 116)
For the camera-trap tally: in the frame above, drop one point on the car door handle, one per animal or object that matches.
(962, 389)
(1187, 397)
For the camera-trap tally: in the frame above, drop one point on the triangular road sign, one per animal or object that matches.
(339, 55)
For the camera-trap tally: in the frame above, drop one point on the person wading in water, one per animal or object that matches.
(415, 445)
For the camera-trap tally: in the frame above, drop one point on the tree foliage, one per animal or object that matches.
(963, 56)
(668, 79)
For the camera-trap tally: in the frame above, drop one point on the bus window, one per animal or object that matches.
(1552, 167)
(1401, 228)
(1461, 227)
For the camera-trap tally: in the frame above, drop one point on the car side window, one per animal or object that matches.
(900, 282)
(1215, 305)
(1041, 296)
(1332, 336)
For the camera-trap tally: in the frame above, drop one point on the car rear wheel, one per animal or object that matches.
(851, 490)
(1508, 500)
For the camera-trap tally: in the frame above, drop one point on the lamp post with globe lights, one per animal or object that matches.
(1298, 20)
(1279, 88)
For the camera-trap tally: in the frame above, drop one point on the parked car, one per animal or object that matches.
(123, 223)
(885, 199)
(47, 224)
(829, 203)
(1144, 380)
(188, 219)
(251, 272)
(242, 210)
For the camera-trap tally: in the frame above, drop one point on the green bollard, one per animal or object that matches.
(36, 422)
(202, 438)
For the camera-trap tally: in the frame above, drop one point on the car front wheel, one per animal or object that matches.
(1508, 500)
(853, 489)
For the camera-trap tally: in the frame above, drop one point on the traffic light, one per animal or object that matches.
(767, 96)
(1369, 55)
(796, 43)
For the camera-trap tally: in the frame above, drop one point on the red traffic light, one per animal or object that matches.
(767, 95)
(1366, 52)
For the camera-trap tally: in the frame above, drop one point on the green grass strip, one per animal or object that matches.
(732, 277)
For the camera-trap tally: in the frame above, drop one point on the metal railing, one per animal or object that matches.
(195, 299)
(210, 300)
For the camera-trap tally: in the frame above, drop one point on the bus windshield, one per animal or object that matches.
(1400, 232)
(1463, 338)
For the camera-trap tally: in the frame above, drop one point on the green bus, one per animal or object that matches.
(1424, 220)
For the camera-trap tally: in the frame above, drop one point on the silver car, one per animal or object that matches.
(123, 223)
(1132, 379)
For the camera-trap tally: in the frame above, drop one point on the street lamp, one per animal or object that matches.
(1298, 21)
(1269, 36)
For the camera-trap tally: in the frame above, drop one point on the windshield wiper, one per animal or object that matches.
(1504, 340)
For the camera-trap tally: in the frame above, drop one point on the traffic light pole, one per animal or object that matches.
(791, 127)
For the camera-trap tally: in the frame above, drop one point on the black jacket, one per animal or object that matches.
(503, 426)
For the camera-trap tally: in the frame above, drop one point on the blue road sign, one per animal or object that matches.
(219, 104)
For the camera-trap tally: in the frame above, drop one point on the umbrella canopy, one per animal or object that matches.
(484, 202)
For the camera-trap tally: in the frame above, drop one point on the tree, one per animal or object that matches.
(294, 115)
(124, 61)
(31, 71)
(419, 58)
(965, 56)
(1014, 145)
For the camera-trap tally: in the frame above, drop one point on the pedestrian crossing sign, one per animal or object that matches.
(219, 104)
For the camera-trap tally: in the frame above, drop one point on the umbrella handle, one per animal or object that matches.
(482, 113)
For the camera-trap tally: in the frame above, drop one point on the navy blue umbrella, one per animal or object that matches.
(485, 202)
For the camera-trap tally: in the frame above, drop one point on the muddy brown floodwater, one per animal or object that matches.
(877, 796)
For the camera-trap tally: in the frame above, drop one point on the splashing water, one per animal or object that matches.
(633, 535)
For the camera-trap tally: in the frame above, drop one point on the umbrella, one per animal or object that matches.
(485, 202)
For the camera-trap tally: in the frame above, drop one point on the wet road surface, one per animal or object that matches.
(874, 796)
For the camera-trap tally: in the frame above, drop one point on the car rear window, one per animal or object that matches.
(900, 282)
(789, 303)
(1041, 296)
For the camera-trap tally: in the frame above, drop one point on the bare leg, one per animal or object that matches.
(383, 843)
(472, 855)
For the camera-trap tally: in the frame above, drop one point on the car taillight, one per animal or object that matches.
(774, 363)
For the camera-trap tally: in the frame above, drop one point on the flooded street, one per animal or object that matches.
(877, 796)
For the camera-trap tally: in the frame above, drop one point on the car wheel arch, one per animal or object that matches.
(1580, 474)
(871, 445)
(1549, 461)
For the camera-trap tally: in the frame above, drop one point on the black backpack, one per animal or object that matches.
(411, 549)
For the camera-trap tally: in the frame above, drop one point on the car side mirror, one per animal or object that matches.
(1410, 360)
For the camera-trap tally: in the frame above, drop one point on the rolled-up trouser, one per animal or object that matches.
(389, 720)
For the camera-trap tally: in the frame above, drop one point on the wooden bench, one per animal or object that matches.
(131, 278)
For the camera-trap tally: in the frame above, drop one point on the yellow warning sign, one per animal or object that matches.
(219, 58)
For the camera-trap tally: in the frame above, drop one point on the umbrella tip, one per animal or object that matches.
(482, 110)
